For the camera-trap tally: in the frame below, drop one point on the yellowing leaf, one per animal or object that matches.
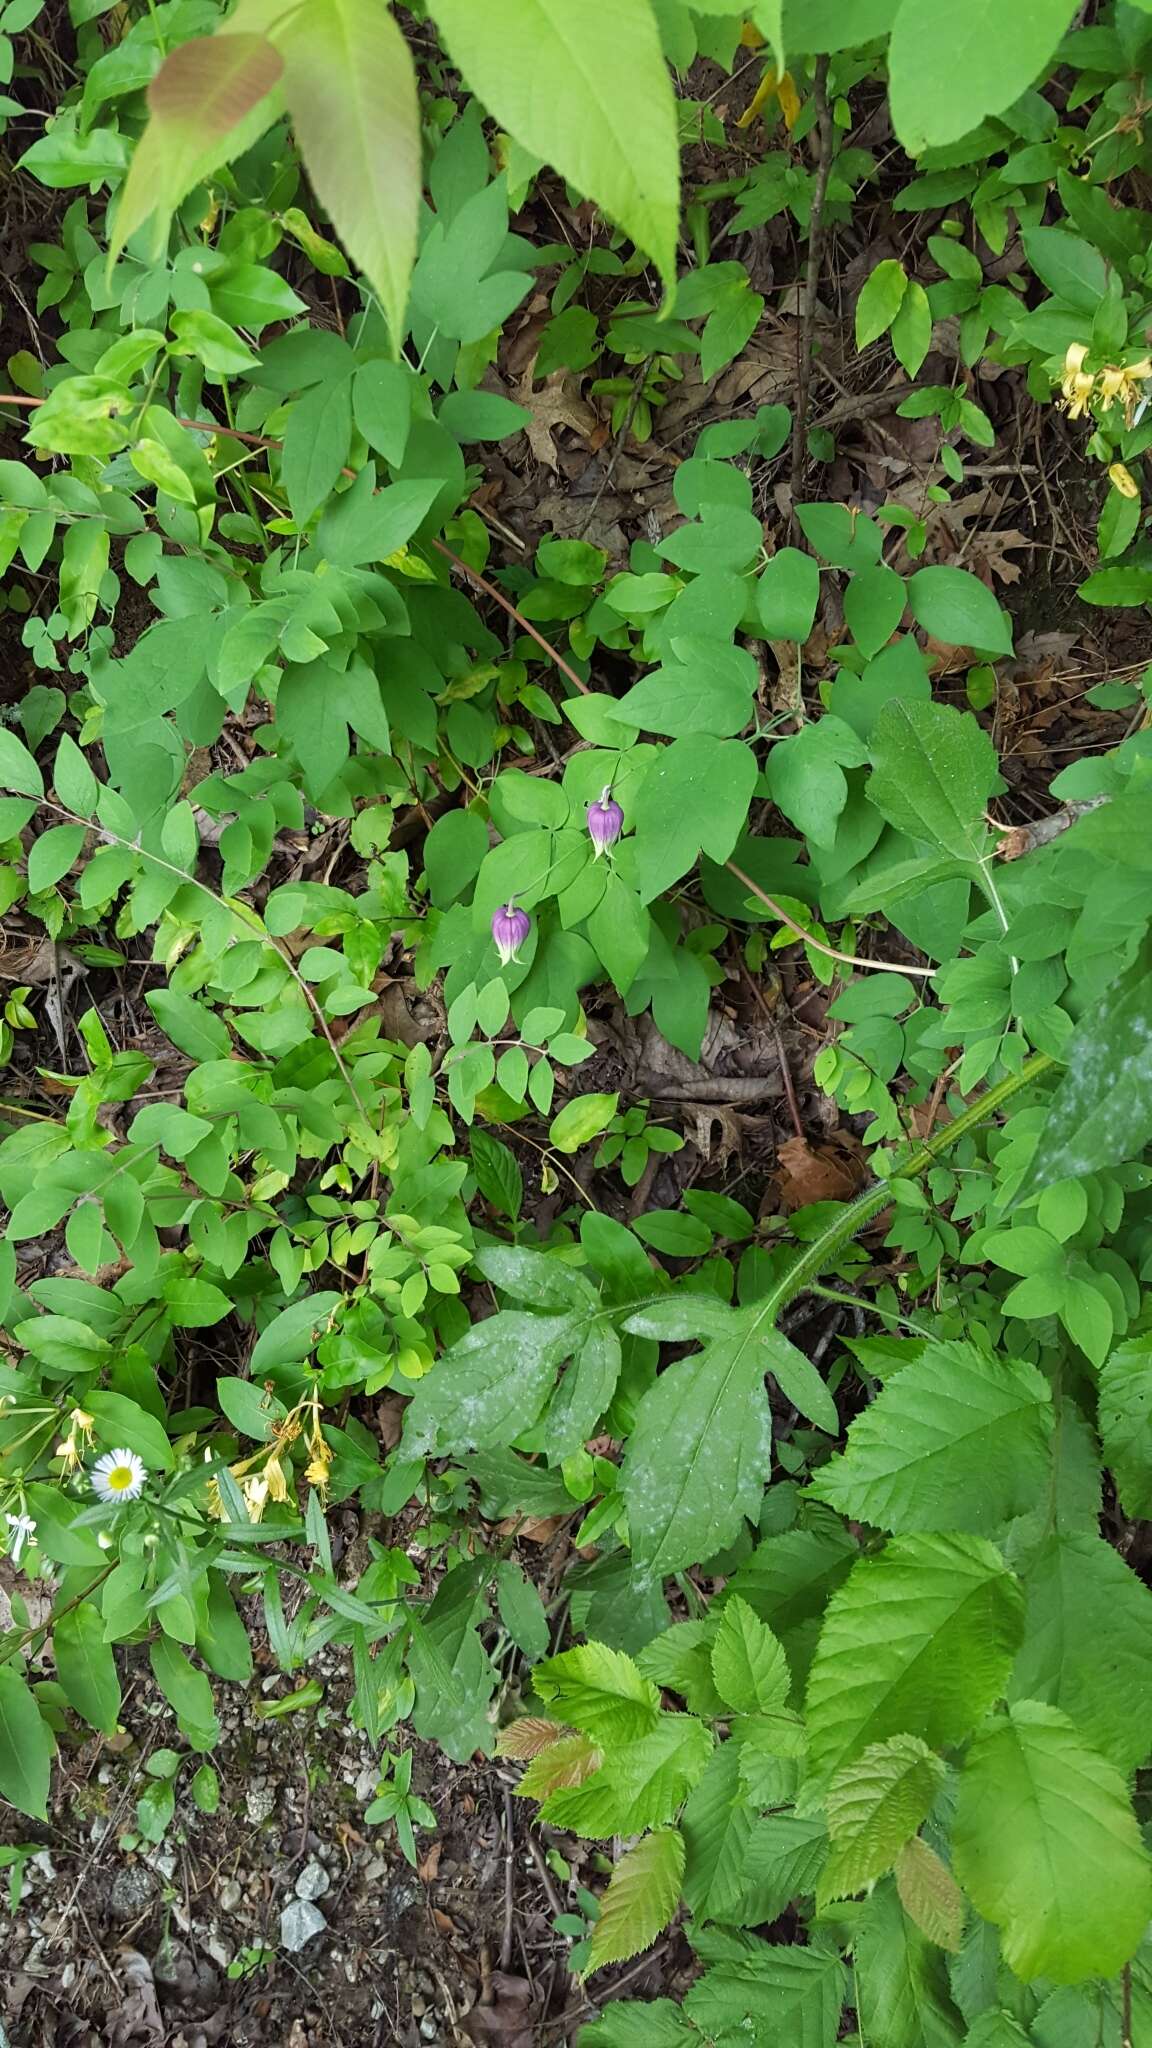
(930, 1894)
(640, 1900)
(351, 90)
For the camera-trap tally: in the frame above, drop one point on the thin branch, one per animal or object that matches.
(785, 1070)
(826, 137)
(618, 444)
(1017, 840)
(820, 945)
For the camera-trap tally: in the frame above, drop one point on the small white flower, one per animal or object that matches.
(23, 1529)
(118, 1476)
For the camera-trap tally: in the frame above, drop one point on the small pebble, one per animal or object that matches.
(299, 1922)
(313, 1880)
(229, 1895)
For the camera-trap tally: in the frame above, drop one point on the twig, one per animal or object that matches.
(785, 1070)
(1126, 2006)
(618, 444)
(1017, 840)
(820, 945)
(509, 1899)
(826, 135)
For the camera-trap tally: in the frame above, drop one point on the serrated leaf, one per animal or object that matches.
(528, 1737)
(768, 1993)
(350, 84)
(919, 1640)
(1126, 1423)
(1101, 1112)
(957, 1440)
(930, 1894)
(699, 1454)
(599, 1691)
(748, 1664)
(873, 1806)
(902, 1987)
(1087, 1645)
(639, 1785)
(1047, 1847)
(560, 1766)
(717, 1824)
(640, 1900)
(587, 92)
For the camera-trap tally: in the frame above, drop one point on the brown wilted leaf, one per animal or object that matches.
(555, 403)
(832, 1172)
(427, 1869)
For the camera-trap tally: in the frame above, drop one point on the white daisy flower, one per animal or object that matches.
(23, 1529)
(118, 1476)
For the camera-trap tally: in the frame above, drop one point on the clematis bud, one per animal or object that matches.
(510, 928)
(605, 822)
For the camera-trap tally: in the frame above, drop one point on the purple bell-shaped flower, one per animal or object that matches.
(510, 928)
(605, 822)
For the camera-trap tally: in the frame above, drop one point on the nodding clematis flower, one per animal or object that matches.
(605, 822)
(510, 928)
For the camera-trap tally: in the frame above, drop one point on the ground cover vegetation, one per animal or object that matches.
(357, 842)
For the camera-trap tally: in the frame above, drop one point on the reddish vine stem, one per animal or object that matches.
(578, 683)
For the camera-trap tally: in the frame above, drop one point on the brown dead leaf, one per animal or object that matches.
(426, 1870)
(555, 403)
(535, 1529)
(390, 1419)
(442, 1922)
(507, 2021)
(832, 1172)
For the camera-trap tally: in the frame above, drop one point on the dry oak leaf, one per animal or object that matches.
(832, 1172)
(555, 403)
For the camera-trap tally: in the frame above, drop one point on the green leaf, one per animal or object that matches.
(187, 1690)
(600, 1691)
(316, 442)
(1071, 268)
(52, 855)
(805, 775)
(694, 798)
(880, 300)
(1046, 1845)
(18, 769)
(955, 607)
(957, 1440)
(699, 1454)
(835, 24)
(580, 1120)
(587, 92)
(210, 100)
(382, 407)
(641, 1784)
(1101, 1112)
(912, 331)
(25, 1748)
(351, 88)
(492, 1383)
(1130, 585)
(123, 1424)
(918, 1641)
(787, 595)
(708, 689)
(640, 1900)
(934, 772)
(947, 71)
(874, 606)
(873, 1806)
(903, 1993)
(779, 1995)
(748, 1664)
(717, 1822)
(521, 1610)
(86, 1666)
(190, 1025)
(75, 784)
(1087, 1645)
(1126, 1423)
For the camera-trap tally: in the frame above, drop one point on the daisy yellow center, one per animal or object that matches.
(120, 1478)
